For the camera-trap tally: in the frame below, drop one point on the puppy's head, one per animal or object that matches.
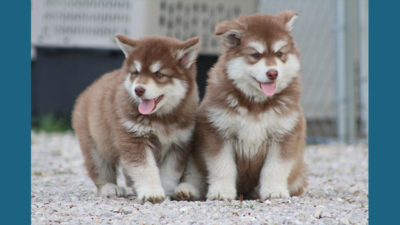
(261, 57)
(158, 71)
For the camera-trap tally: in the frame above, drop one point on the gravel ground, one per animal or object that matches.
(63, 193)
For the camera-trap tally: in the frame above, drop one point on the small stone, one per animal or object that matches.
(107, 214)
(318, 213)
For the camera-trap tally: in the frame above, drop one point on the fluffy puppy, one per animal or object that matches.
(250, 130)
(141, 117)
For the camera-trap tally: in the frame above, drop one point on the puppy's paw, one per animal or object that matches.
(219, 192)
(111, 190)
(153, 195)
(186, 191)
(274, 192)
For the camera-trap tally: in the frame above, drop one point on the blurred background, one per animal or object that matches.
(73, 44)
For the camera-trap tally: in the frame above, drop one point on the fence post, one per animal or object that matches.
(346, 48)
(363, 37)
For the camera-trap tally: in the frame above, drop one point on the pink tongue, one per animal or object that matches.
(146, 106)
(268, 88)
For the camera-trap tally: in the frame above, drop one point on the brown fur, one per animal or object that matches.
(97, 114)
(208, 139)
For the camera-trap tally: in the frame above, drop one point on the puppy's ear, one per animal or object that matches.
(230, 31)
(125, 44)
(187, 52)
(288, 17)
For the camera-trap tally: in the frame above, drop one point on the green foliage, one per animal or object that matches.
(50, 122)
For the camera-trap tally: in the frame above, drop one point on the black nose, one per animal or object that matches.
(272, 74)
(139, 91)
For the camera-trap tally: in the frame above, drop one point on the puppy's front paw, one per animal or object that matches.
(220, 192)
(274, 192)
(153, 195)
(111, 190)
(186, 191)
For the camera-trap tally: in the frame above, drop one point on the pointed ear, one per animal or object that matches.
(230, 31)
(125, 44)
(187, 52)
(288, 17)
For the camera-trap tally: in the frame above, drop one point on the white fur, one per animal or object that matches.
(111, 190)
(296, 185)
(190, 53)
(251, 131)
(193, 182)
(146, 177)
(258, 46)
(278, 45)
(227, 36)
(274, 174)
(173, 93)
(232, 101)
(287, 71)
(243, 75)
(222, 174)
(137, 65)
(167, 135)
(289, 24)
(169, 173)
(126, 49)
(155, 67)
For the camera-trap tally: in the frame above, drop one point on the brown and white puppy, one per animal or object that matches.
(141, 117)
(250, 130)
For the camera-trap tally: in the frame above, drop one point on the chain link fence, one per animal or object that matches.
(332, 36)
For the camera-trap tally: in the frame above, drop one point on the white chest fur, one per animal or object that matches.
(251, 131)
(166, 135)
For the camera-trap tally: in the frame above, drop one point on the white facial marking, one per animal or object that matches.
(146, 177)
(173, 93)
(222, 174)
(241, 124)
(155, 67)
(138, 65)
(278, 45)
(244, 75)
(274, 174)
(287, 71)
(259, 47)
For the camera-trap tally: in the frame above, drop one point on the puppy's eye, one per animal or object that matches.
(279, 53)
(158, 74)
(255, 55)
(135, 73)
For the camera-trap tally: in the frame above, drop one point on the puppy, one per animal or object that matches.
(142, 117)
(250, 130)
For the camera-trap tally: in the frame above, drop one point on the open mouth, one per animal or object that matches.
(148, 105)
(268, 88)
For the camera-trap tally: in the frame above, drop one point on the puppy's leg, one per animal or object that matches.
(100, 170)
(193, 184)
(274, 174)
(171, 170)
(222, 173)
(145, 175)
(129, 183)
(297, 179)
